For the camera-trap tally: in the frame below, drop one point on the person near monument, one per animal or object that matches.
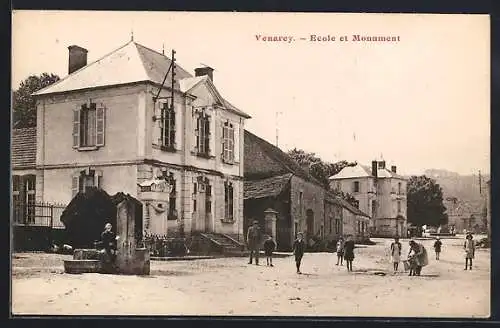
(253, 240)
(269, 247)
(108, 238)
(299, 247)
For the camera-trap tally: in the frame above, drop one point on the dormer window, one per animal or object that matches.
(167, 126)
(88, 126)
(228, 143)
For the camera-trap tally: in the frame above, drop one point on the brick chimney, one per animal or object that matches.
(77, 58)
(393, 169)
(201, 71)
(374, 168)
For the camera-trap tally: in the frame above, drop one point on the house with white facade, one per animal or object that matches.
(176, 146)
(380, 192)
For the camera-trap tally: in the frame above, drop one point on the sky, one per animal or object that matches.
(418, 103)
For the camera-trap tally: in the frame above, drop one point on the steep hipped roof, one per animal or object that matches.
(360, 171)
(268, 187)
(130, 63)
(342, 202)
(23, 151)
(264, 159)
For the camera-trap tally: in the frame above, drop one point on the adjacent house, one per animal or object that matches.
(177, 147)
(275, 182)
(23, 161)
(380, 192)
(462, 215)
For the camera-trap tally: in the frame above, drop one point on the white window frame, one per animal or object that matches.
(98, 125)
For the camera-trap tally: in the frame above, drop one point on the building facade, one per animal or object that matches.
(380, 192)
(462, 216)
(176, 147)
(274, 181)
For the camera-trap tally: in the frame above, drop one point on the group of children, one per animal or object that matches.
(417, 256)
(344, 250)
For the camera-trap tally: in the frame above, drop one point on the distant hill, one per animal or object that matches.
(463, 187)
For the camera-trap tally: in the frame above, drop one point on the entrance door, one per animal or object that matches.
(208, 208)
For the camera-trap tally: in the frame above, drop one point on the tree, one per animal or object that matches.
(425, 202)
(321, 171)
(24, 106)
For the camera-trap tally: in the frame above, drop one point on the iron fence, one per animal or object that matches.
(38, 214)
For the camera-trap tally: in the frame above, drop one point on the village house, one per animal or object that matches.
(380, 192)
(276, 186)
(23, 162)
(176, 147)
(463, 216)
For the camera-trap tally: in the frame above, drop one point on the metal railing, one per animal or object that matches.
(37, 214)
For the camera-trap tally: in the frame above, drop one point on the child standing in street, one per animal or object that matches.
(396, 253)
(269, 247)
(437, 247)
(349, 252)
(469, 248)
(299, 247)
(340, 251)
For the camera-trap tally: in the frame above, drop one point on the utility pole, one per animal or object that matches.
(173, 78)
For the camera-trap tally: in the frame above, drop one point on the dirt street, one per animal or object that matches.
(229, 286)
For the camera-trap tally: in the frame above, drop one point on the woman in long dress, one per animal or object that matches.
(417, 257)
(396, 253)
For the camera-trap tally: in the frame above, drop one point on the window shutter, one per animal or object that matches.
(100, 125)
(178, 132)
(196, 133)
(98, 179)
(75, 185)
(210, 126)
(76, 127)
(236, 139)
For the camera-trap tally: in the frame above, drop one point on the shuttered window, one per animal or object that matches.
(89, 124)
(228, 143)
(85, 179)
(202, 133)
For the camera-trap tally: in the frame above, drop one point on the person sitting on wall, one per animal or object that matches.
(108, 238)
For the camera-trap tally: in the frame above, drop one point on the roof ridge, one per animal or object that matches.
(298, 171)
(82, 68)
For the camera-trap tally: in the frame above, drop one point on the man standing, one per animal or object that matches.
(253, 241)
